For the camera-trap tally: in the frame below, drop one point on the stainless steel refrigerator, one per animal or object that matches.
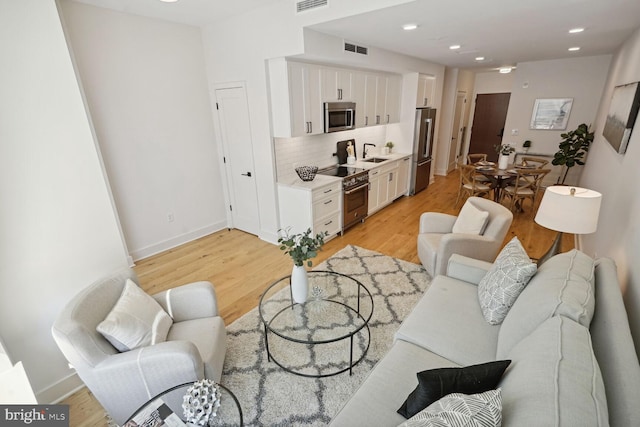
(422, 148)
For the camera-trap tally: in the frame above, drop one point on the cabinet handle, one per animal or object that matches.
(425, 102)
(306, 124)
(328, 201)
(339, 93)
(366, 120)
(390, 176)
(328, 191)
(388, 118)
(328, 223)
(310, 127)
(377, 119)
(375, 173)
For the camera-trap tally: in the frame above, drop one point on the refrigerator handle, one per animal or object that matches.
(427, 146)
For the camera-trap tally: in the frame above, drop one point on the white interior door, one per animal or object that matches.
(456, 130)
(235, 131)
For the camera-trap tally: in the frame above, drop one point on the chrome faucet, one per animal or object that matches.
(364, 149)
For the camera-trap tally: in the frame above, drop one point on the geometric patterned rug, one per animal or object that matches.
(269, 396)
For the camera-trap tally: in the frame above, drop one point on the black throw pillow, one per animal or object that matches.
(434, 384)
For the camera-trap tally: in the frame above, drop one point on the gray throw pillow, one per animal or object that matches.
(500, 287)
(461, 410)
(136, 320)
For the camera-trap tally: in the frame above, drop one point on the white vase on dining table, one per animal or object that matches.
(503, 161)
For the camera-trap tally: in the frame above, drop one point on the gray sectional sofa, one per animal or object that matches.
(567, 335)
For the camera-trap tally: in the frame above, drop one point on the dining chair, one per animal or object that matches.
(525, 186)
(476, 157)
(470, 183)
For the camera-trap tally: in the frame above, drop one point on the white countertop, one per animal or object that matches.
(318, 182)
(322, 180)
(370, 165)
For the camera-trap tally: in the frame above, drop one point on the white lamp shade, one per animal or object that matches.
(577, 213)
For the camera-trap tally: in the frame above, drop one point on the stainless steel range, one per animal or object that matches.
(355, 193)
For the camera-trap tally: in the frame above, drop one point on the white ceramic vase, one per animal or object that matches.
(299, 284)
(503, 161)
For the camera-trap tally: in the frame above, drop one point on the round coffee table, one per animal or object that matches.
(161, 406)
(327, 335)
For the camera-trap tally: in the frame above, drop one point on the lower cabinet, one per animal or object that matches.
(319, 208)
(388, 182)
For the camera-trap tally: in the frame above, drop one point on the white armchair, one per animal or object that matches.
(437, 242)
(122, 382)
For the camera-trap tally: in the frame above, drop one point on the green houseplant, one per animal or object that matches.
(301, 247)
(573, 147)
(526, 145)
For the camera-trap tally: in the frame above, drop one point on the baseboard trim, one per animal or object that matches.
(177, 241)
(60, 390)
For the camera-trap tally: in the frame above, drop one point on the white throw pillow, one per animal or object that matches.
(136, 320)
(471, 220)
(505, 280)
(461, 410)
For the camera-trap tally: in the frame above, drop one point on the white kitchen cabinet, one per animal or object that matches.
(319, 208)
(374, 185)
(426, 88)
(358, 95)
(404, 168)
(383, 185)
(370, 98)
(336, 84)
(393, 97)
(296, 98)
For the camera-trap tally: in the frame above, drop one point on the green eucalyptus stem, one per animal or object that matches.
(301, 247)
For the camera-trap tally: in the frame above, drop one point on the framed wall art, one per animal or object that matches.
(623, 111)
(551, 114)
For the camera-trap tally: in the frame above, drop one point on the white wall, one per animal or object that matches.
(579, 78)
(58, 225)
(616, 176)
(146, 86)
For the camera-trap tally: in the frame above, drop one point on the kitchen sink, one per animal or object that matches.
(375, 160)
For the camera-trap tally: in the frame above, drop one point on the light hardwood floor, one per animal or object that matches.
(241, 266)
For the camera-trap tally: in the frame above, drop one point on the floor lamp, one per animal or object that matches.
(568, 209)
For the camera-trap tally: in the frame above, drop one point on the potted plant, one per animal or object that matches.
(573, 147)
(526, 145)
(301, 247)
(389, 145)
(504, 150)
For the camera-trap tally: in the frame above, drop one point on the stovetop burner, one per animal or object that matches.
(341, 171)
(351, 177)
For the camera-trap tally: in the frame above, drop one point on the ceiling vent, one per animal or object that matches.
(305, 5)
(351, 47)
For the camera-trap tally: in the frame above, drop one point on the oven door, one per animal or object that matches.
(355, 206)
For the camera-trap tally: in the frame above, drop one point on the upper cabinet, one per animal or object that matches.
(426, 88)
(299, 90)
(336, 84)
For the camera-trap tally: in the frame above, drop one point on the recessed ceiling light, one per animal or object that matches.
(576, 30)
(479, 58)
(455, 46)
(168, 1)
(573, 49)
(409, 27)
(505, 70)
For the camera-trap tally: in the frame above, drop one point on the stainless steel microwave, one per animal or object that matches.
(339, 116)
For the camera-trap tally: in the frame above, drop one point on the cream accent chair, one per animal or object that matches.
(436, 242)
(122, 382)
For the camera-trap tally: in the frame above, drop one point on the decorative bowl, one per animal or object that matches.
(307, 173)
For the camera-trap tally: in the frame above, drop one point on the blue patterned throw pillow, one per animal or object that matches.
(500, 287)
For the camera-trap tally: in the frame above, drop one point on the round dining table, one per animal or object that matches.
(499, 178)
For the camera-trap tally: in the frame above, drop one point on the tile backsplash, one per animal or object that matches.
(318, 150)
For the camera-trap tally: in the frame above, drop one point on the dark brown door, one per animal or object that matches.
(488, 123)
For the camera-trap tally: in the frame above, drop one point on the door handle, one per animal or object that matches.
(246, 174)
